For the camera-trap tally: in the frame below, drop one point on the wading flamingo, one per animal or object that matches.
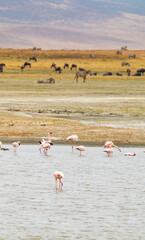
(110, 145)
(45, 144)
(1, 148)
(58, 175)
(109, 151)
(80, 148)
(130, 154)
(72, 138)
(15, 145)
(49, 141)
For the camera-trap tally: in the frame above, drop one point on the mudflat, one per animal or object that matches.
(103, 108)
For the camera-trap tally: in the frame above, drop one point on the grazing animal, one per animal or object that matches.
(107, 74)
(124, 48)
(27, 64)
(58, 176)
(33, 58)
(125, 64)
(82, 69)
(73, 66)
(109, 151)
(72, 138)
(128, 72)
(137, 74)
(81, 74)
(130, 154)
(66, 65)
(58, 69)
(142, 71)
(118, 52)
(93, 74)
(2, 64)
(132, 56)
(109, 144)
(80, 148)
(53, 65)
(119, 74)
(1, 69)
(48, 80)
(22, 68)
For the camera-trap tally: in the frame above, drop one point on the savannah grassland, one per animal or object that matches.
(103, 108)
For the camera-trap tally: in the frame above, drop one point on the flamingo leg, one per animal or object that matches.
(72, 145)
(80, 153)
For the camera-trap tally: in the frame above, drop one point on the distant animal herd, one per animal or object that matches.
(80, 72)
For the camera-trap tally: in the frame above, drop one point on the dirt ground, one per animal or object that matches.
(26, 119)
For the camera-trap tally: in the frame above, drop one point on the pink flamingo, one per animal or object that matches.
(110, 145)
(80, 148)
(109, 151)
(45, 144)
(15, 145)
(58, 176)
(130, 154)
(72, 138)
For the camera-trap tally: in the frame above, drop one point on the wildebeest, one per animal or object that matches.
(48, 80)
(125, 64)
(1, 69)
(82, 69)
(33, 58)
(93, 74)
(22, 68)
(107, 74)
(73, 66)
(128, 72)
(53, 65)
(118, 52)
(27, 64)
(137, 74)
(118, 74)
(124, 48)
(132, 56)
(58, 69)
(142, 71)
(2, 64)
(66, 65)
(81, 74)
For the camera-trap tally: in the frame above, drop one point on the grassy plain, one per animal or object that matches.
(103, 108)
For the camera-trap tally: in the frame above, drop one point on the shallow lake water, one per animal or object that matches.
(102, 197)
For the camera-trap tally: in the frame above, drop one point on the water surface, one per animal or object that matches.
(102, 197)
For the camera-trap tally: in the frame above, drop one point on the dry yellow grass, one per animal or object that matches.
(103, 108)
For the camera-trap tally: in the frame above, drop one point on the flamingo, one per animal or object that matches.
(130, 154)
(80, 148)
(16, 144)
(111, 144)
(58, 175)
(1, 148)
(72, 138)
(45, 144)
(109, 151)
